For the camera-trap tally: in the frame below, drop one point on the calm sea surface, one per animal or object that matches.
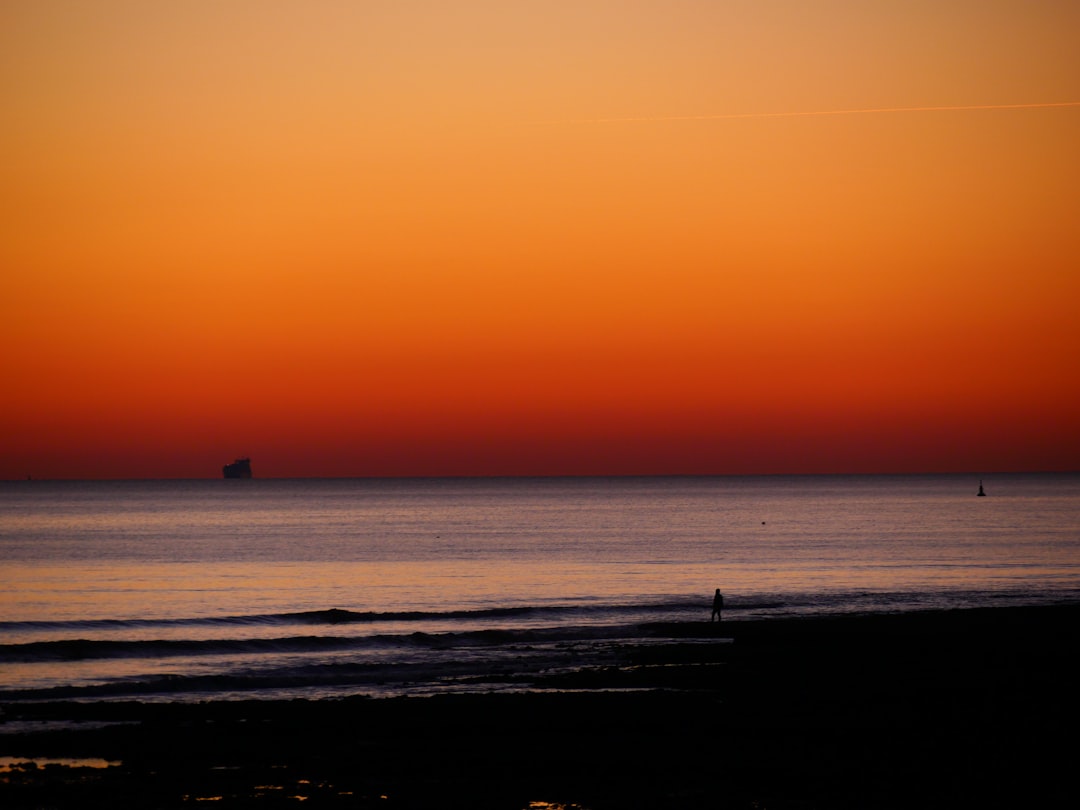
(184, 590)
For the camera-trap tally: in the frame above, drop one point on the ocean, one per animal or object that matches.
(230, 589)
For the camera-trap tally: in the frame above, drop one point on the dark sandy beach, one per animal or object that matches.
(951, 709)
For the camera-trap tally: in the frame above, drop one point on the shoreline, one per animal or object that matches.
(933, 709)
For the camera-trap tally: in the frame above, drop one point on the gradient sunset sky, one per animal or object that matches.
(492, 237)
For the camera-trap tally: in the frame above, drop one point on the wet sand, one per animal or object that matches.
(951, 709)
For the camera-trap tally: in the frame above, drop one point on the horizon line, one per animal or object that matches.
(451, 476)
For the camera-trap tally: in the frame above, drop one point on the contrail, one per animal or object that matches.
(805, 114)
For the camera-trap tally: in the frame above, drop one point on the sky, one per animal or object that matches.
(503, 237)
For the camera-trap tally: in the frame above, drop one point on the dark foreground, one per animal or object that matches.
(946, 709)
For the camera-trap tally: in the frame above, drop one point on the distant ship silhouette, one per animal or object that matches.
(241, 468)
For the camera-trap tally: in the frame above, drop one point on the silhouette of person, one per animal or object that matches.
(717, 606)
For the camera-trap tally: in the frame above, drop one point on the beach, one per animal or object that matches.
(955, 708)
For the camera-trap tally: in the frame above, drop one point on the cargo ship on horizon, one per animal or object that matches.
(241, 468)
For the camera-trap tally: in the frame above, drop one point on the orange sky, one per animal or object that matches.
(415, 237)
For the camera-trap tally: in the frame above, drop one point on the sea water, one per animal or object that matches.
(185, 590)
